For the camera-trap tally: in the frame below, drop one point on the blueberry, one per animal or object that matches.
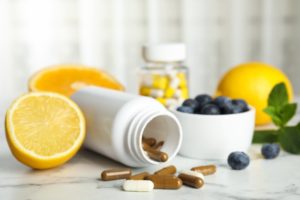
(238, 160)
(191, 103)
(236, 109)
(228, 108)
(241, 104)
(210, 109)
(231, 108)
(221, 101)
(185, 109)
(270, 151)
(203, 99)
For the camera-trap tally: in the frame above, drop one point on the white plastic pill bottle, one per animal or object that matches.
(117, 121)
(164, 75)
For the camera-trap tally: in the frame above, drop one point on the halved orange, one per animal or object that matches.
(44, 129)
(67, 79)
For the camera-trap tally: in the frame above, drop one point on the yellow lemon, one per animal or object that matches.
(253, 82)
(66, 79)
(44, 130)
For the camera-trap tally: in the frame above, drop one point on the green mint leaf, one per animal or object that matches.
(289, 139)
(265, 136)
(274, 114)
(287, 112)
(278, 96)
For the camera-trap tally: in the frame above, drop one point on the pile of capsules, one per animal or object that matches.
(169, 88)
(152, 149)
(164, 178)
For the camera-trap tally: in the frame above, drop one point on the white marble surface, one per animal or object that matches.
(79, 179)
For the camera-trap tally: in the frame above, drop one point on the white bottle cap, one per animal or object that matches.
(170, 52)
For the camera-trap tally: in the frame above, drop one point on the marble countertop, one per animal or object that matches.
(79, 179)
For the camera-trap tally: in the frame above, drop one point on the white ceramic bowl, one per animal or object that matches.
(215, 136)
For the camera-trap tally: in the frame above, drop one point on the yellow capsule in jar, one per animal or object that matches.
(169, 92)
(181, 75)
(167, 101)
(160, 82)
(184, 93)
(145, 91)
(182, 80)
(163, 101)
(156, 81)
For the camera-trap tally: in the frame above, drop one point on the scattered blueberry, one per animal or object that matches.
(241, 104)
(203, 99)
(191, 103)
(185, 109)
(210, 109)
(238, 160)
(270, 151)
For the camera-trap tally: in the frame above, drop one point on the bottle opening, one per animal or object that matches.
(162, 127)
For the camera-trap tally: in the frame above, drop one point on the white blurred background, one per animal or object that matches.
(109, 33)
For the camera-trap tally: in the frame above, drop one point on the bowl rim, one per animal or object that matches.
(251, 110)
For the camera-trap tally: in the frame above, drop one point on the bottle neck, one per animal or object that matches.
(159, 124)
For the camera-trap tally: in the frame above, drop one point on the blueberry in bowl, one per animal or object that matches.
(207, 105)
(210, 109)
(192, 103)
(185, 109)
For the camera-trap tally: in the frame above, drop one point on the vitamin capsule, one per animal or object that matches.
(174, 83)
(170, 170)
(205, 169)
(166, 101)
(159, 145)
(181, 93)
(151, 92)
(155, 81)
(146, 146)
(169, 92)
(165, 181)
(157, 155)
(182, 80)
(138, 185)
(115, 174)
(193, 173)
(192, 181)
(185, 93)
(139, 176)
(149, 141)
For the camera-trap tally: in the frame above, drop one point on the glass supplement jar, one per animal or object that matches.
(164, 76)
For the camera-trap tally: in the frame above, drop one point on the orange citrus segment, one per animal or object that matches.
(66, 79)
(44, 130)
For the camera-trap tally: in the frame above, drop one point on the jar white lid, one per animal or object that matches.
(169, 52)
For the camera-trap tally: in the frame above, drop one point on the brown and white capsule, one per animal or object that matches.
(115, 174)
(139, 176)
(165, 181)
(157, 155)
(169, 170)
(205, 169)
